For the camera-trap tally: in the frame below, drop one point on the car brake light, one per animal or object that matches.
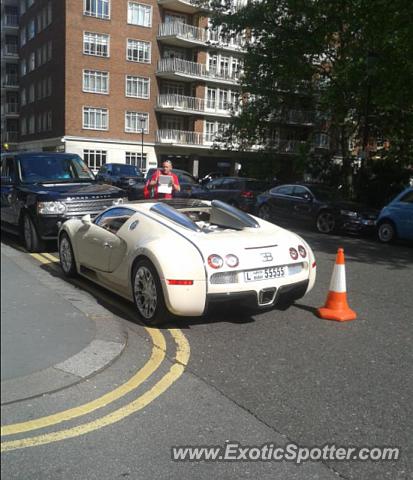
(215, 261)
(247, 194)
(293, 253)
(179, 282)
(301, 251)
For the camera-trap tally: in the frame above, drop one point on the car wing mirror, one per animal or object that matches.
(308, 197)
(86, 219)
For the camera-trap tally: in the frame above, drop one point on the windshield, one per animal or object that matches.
(326, 194)
(130, 170)
(54, 168)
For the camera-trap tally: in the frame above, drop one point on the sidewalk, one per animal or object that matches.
(52, 334)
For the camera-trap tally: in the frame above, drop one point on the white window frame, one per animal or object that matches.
(138, 130)
(95, 43)
(102, 110)
(103, 154)
(149, 44)
(140, 4)
(95, 73)
(136, 159)
(90, 13)
(135, 78)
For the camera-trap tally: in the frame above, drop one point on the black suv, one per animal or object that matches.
(121, 175)
(39, 191)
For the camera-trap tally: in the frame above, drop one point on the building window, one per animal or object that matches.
(49, 50)
(31, 124)
(96, 44)
(23, 97)
(139, 14)
(95, 81)
(32, 62)
(135, 121)
(22, 6)
(23, 126)
(23, 67)
(29, 3)
(95, 118)
(31, 93)
(96, 8)
(94, 159)
(49, 120)
(49, 13)
(134, 158)
(31, 30)
(39, 90)
(137, 87)
(22, 36)
(49, 87)
(39, 57)
(213, 129)
(139, 51)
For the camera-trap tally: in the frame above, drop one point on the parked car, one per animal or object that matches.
(216, 255)
(315, 205)
(121, 175)
(39, 191)
(396, 218)
(190, 188)
(210, 176)
(237, 191)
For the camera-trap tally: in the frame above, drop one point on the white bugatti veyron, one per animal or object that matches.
(177, 256)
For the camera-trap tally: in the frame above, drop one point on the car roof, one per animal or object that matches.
(42, 154)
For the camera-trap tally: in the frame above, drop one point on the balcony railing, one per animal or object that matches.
(182, 30)
(10, 80)
(10, 20)
(10, 137)
(10, 108)
(192, 104)
(10, 49)
(300, 117)
(195, 70)
(182, 137)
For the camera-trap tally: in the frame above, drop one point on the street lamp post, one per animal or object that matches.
(142, 120)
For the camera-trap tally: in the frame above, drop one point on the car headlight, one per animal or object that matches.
(51, 208)
(349, 213)
(119, 201)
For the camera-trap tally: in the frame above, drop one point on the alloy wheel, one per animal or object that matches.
(146, 295)
(326, 222)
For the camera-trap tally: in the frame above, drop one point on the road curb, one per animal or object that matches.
(109, 341)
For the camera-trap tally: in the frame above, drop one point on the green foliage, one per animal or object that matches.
(351, 60)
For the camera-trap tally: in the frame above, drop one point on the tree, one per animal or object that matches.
(351, 60)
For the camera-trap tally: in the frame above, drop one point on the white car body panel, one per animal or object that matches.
(181, 254)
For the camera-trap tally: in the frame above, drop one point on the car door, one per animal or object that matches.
(100, 248)
(228, 190)
(9, 212)
(212, 189)
(280, 202)
(302, 204)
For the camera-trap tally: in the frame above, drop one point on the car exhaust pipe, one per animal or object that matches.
(266, 296)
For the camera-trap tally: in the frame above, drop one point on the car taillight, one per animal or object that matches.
(301, 251)
(247, 194)
(215, 261)
(231, 260)
(293, 253)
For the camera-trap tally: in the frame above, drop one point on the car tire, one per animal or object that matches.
(147, 293)
(386, 232)
(67, 257)
(264, 212)
(325, 222)
(32, 240)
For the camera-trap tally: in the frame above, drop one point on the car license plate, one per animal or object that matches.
(264, 274)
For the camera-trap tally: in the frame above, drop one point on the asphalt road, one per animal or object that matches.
(276, 377)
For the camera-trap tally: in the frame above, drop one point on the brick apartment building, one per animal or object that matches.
(95, 73)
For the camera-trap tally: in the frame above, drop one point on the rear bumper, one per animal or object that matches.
(250, 298)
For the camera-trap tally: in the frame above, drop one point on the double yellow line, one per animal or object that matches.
(153, 364)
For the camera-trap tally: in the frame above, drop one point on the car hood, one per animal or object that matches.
(74, 190)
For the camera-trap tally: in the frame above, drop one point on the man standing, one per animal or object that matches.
(162, 189)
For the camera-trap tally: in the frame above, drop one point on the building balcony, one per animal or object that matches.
(184, 138)
(173, 103)
(10, 137)
(10, 109)
(10, 50)
(10, 21)
(178, 69)
(182, 6)
(10, 80)
(298, 117)
(184, 35)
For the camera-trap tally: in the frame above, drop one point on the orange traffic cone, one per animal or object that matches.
(336, 307)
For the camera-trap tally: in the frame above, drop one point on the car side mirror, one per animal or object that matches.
(308, 197)
(86, 220)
